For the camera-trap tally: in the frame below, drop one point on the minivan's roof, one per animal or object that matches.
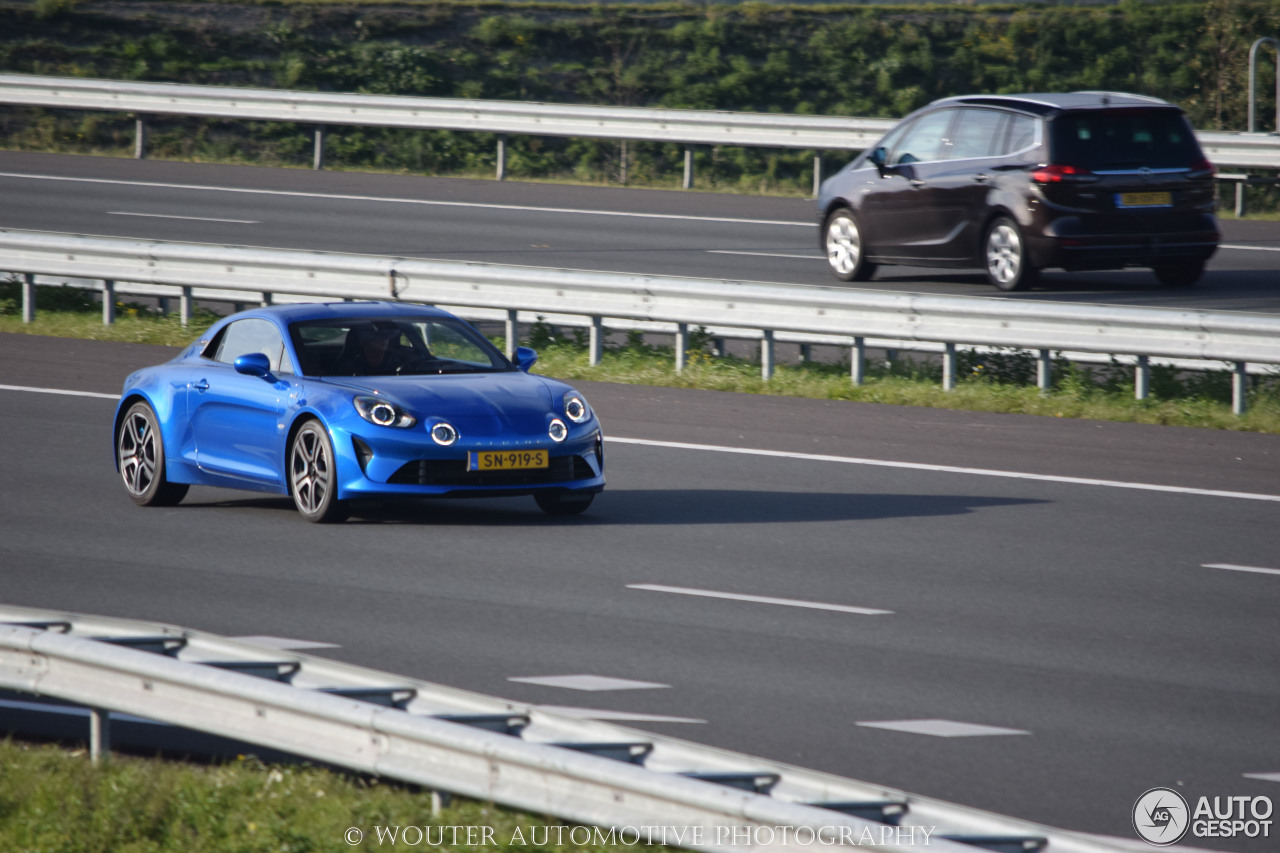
(1047, 102)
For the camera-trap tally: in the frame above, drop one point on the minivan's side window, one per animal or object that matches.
(923, 140)
(1022, 134)
(978, 133)
(253, 335)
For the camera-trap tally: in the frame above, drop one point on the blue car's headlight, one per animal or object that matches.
(575, 407)
(382, 412)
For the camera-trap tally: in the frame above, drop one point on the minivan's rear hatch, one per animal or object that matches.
(1126, 160)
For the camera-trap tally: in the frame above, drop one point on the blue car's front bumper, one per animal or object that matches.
(385, 462)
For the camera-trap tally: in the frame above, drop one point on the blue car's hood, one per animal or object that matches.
(475, 403)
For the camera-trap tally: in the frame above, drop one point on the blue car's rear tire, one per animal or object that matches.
(140, 458)
(562, 503)
(313, 475)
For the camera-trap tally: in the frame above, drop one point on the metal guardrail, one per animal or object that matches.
(618, 299)
(586, 771)
(687, 127)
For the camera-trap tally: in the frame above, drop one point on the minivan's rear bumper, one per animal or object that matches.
(1067, 245)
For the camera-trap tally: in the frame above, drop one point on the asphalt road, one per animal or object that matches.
(1073, 608)
(625, 230)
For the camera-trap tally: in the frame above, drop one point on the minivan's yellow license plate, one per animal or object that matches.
(506, 460)
(1145, 199)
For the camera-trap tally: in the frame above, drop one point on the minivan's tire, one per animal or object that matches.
(846, 253)
(313, 475)
(140, 455)
(1179, 275)
(1005, 255)
(560, 503)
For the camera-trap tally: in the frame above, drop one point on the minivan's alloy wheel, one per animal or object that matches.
(140, 455)
(1184, 274)
(313, 477)
(845, 251)
(1008, 267)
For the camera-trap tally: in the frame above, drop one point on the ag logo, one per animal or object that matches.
(1160, 817)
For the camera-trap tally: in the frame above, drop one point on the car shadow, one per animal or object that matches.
(637, 507)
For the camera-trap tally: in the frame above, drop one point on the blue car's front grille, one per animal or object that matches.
(453, 472)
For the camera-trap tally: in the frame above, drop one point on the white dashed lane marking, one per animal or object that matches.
(592, 683)
(942, 728)
(759, 599)
(1232, 568)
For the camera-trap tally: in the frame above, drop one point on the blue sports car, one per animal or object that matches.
(335, 401)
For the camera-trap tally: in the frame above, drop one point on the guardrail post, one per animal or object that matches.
(184, 306)
(317, 160)
(595, 341)
(512, 330)
(1044, 371)
(1240, 198)
(1142, 378)
(687, 183)
(28, 297)
(1240, 388)
(99, 735)
(858, 361)
(140, 137)
(817, 174)
(108, 302)
(949, 367)
(766, 355)
(806, 353)
(1253, 74)
(682, 345)
(267, 299)
(502, 157)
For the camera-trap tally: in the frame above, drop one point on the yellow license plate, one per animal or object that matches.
(1145, 199)
(506, 460)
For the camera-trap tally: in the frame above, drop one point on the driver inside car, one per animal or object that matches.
(371, 350)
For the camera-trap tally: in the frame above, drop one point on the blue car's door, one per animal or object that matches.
(237, 420)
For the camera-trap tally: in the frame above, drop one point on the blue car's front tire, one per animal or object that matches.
(313, 475)
(140, 458)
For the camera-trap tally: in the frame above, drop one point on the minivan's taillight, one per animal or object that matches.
(1058, 174)
(1201, 168)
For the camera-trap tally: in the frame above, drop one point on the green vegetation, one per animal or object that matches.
(988, 382)
(827, 59)
(52, 800)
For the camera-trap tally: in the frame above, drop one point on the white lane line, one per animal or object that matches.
(1249, 248)
(1231, 568)
(591, 683)
(616, 716)
(188, 218)
(59, 391)
(1265, 777)
(759, 599)
(386, 200)
(951, 469)
(942, 728)
(283, 643)
(765, 254)
(846, 460)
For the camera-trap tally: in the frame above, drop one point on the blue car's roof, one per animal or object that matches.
(305, 311)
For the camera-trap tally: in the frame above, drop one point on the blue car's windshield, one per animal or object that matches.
(393, 346)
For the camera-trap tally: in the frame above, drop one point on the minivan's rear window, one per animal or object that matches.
(1100, 140)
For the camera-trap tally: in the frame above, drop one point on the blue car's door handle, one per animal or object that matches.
(202, 385)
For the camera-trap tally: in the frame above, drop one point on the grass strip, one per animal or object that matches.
(53, 800)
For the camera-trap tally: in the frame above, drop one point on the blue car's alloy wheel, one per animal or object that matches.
(312, 478)
(140, 456)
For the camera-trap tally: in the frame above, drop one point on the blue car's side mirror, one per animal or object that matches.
(254, 364)
(526, 358)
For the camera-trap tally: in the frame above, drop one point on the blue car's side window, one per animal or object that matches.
(253, 335)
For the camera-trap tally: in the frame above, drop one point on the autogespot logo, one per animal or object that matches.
(1160, 817)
